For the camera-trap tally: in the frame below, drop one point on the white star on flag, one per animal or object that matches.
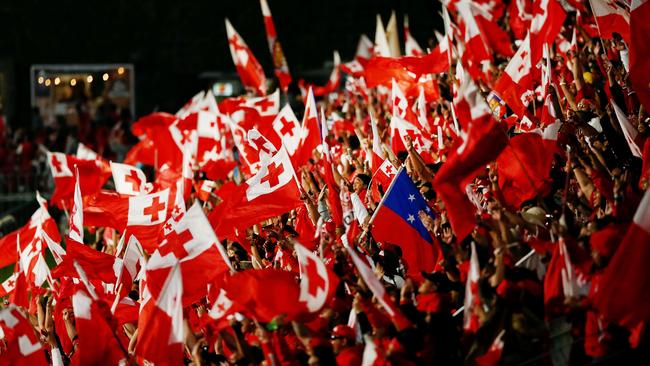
(411, 218)
(411, 197)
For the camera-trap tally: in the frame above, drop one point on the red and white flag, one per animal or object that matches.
(195, 246)
(363, 54)
(76, 221)
(482, 141)
(142, 216)
(411, 46)
(85, 153)
(476, 47)
(256, 291)
(40, 219)
(612, 17)
(272, 191)
(249, 69)
(92, 176)
(472, 297)
(8, 286)
(515, 85)
(260, 143)
(287, 126)
(160, 325)
(640, 50)
(629, 131)
(21, 346)
(381, 42)
(623, 293)
(97, 265)
(317, 283)
(309, 133)
(548, 17)
(98, 341)
(267, 107)
(377, 154)
(520, 12)
(333, 196)
(279, 61)
(128, 179)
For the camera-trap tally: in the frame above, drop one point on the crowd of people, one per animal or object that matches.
(519, 289)
(104, 128)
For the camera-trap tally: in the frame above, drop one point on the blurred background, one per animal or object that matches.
(76, 71)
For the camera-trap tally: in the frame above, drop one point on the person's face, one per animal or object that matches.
(357, 185)
(338, 343)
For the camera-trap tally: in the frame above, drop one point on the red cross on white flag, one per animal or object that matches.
(59, 164)
(314, 279)
(287, 126)
(148, 209)
(128, 179)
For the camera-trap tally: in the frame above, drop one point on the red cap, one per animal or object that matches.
(343, 331)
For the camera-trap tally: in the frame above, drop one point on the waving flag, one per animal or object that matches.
(317, 282)
(411, 46)
(640, 50)
(40, 220)
(612, 17)
(250, 71)
(271, 192)
(160, 325)
(92, 176)
(21, 346)
(623, 294)
(98, 341)
(194, 245)
(517, 81)
(287, 126)
(279, 61)
(128, 179)
(397, 221)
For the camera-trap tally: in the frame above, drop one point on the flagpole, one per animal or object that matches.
(390, 187)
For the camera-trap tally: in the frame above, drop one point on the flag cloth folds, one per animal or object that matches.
(279, 61)
(249, 69)
(397, 221)
(623, 294)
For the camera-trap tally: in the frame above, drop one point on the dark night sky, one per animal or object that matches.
(172, 42)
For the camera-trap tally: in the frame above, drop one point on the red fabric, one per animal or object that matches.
(485, 141)
(257, 291)
(160, 326)
(97, 330)
(279, 61)
(92, 177)
(545, 26)
(97, 265)
(310, 133)
(640, 52)
(612, 18)
(8, 252)
(193, 246)
(271, 192)
(23, 347)
(419, 255)
(524, 167)
(606, 240)
(623, 294)
(249, 69)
